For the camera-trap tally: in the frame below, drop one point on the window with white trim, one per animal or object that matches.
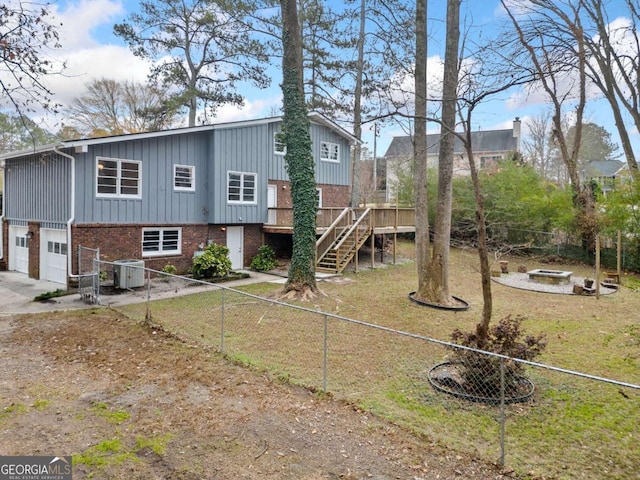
(279, 147)
(116, 177)
(58, 248)
(184, 178)
(329, 152)
(161, 241)
(241, 187)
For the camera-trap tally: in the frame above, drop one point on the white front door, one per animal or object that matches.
(18, 249)
(235, 244)
(272, 202)
(53, 255)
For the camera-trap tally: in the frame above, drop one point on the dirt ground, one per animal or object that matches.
(130, 402)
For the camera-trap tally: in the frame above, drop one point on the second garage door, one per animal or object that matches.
(53, 255)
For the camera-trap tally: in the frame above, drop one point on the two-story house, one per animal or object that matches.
(607, 173)
(158, 196)
(489, 146)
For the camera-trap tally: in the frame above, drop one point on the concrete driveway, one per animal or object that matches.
(17, 292)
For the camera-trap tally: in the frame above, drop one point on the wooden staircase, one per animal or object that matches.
(341, 241)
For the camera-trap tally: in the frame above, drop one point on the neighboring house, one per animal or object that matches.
(607, 173)
(159, 196)
(489, 146)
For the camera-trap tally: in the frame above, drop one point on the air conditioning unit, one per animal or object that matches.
(128, 273)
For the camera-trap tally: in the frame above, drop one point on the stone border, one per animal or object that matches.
(521, 281)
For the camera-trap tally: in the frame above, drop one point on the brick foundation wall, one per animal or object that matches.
(117, 242)
(332, 195)
(253, 239)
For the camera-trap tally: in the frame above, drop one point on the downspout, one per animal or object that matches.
(72, 214)
(4, 189)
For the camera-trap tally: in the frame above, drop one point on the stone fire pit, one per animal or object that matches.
(553, 277)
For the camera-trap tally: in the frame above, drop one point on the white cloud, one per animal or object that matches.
(103, 61)
(81, 19)
(250, 109)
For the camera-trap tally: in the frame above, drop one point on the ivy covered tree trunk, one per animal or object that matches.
(299, 157)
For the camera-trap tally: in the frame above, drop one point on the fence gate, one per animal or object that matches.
(89, 274)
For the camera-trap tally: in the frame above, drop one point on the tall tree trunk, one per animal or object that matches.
(482, 329)
(357, 112)
(420, 148)
(609, 61)
(299, 158)
(436, 288)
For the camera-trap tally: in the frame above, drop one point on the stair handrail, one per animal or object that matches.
(333, 225)
(331, 229)
(353, 227)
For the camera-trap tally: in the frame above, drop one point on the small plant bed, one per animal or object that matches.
(480, 372)
(45, 297)
(227, 278)
(448, 377)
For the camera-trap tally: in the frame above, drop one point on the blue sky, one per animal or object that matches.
(91, 50)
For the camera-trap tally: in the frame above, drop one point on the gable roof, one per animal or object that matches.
(482, 141)
(605, 168)
(314, 117)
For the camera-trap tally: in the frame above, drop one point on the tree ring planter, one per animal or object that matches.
(444, 377)
(463, 305)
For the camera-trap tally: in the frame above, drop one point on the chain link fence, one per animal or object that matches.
(536, 419)
(567, 246)
(89, 274)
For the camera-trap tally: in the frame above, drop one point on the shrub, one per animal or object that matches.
(481, 372)
(168, 269)
(214, 262)
(265, 260)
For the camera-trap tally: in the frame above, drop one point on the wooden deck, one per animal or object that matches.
(386, 220)
(343, 231)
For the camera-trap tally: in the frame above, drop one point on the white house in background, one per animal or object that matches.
(607, 173)
(489, 146)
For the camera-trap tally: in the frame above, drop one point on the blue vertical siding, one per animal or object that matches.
(159, 203)
(240, 149)
(38, 185)
(326, 172)
(38, 188)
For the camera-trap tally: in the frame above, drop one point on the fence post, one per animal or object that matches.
(222, 323)
(95, 280)
(324, 367)
(148, 315)
(502, 414)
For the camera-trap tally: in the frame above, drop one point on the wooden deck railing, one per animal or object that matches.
(382, 218)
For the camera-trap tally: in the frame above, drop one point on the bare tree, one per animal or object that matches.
(552, 36)
(479, 81)
(26, 38)
(539, 148)
(616, 67)
(110, 107)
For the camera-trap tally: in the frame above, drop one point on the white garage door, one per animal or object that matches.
(18, 249)
(53, 255)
